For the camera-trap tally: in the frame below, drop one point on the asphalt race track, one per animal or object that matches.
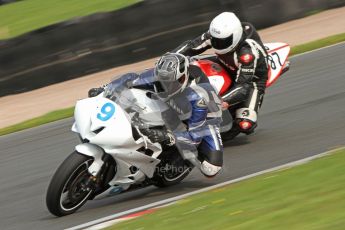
(302, 115)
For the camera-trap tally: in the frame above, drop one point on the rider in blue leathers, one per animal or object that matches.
(194, 115)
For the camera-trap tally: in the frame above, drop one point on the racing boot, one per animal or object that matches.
(209, 170)
(211, 162)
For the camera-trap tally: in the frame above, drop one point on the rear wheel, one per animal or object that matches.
(172, 169)
(68, 190)
(231, 134)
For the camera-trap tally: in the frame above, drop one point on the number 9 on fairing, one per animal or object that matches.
(107, 111)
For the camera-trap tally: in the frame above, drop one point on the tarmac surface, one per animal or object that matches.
(302, 115)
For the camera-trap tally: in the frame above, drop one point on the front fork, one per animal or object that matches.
(95, 169)
(95, 152)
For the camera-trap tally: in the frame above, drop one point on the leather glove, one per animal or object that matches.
(161, 136)
(225, 105)
(95, 91)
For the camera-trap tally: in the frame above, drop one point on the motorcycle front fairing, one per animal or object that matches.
(98, 121)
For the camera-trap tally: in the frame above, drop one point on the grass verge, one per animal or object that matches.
(318, 44)
(49, 117)
(309, 196)
(25, 16)
(61, 114)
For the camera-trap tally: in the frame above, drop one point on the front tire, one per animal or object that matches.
(66, 193)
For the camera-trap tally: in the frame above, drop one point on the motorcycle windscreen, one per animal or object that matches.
(278, 54)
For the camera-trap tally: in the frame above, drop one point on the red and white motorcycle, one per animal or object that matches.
(220, 79)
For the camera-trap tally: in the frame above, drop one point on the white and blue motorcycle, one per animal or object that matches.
(114, 155)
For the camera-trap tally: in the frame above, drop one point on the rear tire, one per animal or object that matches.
(66, 193)
(172, 169)
(231, 134)
(165, 180)
(234, 131)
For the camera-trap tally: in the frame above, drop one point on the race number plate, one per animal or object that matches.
(277, 56)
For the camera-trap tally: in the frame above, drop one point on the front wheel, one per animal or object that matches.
(68, 189)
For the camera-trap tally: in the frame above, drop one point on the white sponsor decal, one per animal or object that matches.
(217, 82)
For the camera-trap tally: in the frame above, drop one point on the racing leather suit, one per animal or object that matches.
(249, 66)
(201, 116)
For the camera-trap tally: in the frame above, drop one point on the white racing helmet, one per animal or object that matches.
(226, 32)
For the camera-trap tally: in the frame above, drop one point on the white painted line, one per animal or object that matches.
(108, 223)
(121, 219)
(173, 199)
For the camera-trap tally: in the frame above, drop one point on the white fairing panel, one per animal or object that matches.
(116, 127)
(74, 128)
(217, 82)
(277, 56)
(145, 163)
(93, 151)
(82, 116)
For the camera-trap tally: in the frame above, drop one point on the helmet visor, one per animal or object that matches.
(222, 43)
(167, 88)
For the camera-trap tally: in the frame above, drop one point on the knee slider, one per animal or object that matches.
(246, 114)
(246, 126)
(246, 120)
